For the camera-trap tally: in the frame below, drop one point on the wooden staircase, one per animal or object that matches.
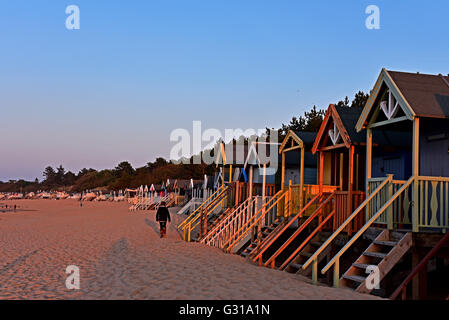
(189, 205)
(215, 219)
(199, 218)
(383, 253)
(281, 230)
(265, 233)
(295, 266)
(143, 204)
(229, 224)
(280, 203)
(386, 258)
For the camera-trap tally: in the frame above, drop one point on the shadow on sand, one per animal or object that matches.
(153, 224)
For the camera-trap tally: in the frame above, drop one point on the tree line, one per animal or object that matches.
(125, 176)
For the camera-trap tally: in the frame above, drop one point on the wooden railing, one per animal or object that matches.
(240, 191)
(219, 203)
(322, 214)
(258, 252)
(309, 192)
(335, 261)
(314, 258)
(399, 211)
(222, 232)
(193, 220)
(343, 209)
(430, 195)
(269, 208)
(197, 210)
(433, 203)
(402, 289)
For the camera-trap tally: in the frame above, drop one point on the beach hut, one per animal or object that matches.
(406, 210)
(243, 186)
(323, 206)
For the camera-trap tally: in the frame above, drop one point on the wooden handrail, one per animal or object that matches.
(424, 178)
(189, 226)
(348, 220)
(276, 198)
(214, 204)
(197, 210)
(269, 242)
(234, 217)
(306, 241)
(300, 230)
(209, 209)
(403, 286)
(369, 223)
(224, 221)
(206, 204)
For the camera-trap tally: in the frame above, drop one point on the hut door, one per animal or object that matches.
(393, 166)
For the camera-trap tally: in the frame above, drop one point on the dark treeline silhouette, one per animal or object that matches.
(125, 176)
(122, 176)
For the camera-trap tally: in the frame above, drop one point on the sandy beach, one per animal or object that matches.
(121, 256)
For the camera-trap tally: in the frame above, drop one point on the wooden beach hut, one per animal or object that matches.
(237, 193)
(340, 151)
(406, 210)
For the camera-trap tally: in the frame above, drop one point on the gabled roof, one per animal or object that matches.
(291, 135)
(349, 117)
(419, 95)
(307, 137)
(427, 94)
(304, 139)
(344, 119)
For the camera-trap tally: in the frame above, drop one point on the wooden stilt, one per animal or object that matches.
(350, 180)
(283, 171)
(415, 169)
(301, 181)
(369, 154)
(321, 170)
(341, 170)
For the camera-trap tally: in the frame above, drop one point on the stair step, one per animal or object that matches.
(359, 279)
(385, 243)
(244, 254)
(306, 254)
(375, 254)
(316, 243)
(296, 265)
(360, 265)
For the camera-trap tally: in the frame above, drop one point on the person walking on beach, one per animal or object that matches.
(162, 216)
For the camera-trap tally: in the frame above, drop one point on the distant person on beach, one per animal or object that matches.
(162, 216)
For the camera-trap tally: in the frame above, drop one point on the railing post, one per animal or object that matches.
(337, 273)
(415, 209)
(390, 209)
(315, 271)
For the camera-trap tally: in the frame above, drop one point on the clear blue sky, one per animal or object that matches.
(136, 70)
